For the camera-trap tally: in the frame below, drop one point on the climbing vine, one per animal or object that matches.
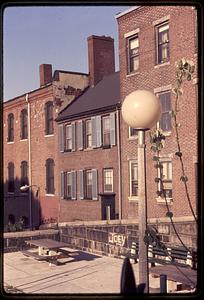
(184, 71)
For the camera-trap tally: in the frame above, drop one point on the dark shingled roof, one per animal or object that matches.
(104, 95)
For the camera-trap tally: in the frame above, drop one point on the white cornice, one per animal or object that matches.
(126, 11)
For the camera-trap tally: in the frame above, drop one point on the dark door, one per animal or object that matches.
(108, 207)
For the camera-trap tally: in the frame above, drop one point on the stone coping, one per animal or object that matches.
(30, 233)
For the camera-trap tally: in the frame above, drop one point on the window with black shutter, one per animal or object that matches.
(11, 186)
(10, 128)
(49, 176)
(24, 124)
(49, 129)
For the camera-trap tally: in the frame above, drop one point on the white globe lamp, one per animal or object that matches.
(141, 109)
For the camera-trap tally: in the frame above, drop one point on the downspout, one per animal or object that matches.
(119, 165)
(29, 163)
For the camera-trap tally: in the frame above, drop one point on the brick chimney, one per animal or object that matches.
(45, 74)
(100, 57)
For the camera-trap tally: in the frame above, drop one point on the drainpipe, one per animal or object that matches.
(29, 163)
(119, 166)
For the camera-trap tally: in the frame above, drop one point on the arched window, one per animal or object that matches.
(11, 177)
(24, 124)
(49, 118)
(49, 176)
(24, 173)
(10, 128)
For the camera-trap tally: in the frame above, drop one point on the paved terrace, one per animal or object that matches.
(80, 273)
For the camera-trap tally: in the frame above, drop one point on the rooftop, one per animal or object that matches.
(104, 95)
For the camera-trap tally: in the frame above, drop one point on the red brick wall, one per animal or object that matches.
(101, 57)
(150, 77)
(42, 147)
(87, 159)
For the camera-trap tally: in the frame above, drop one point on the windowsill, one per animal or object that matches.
(132, 74)
(133, 138)
(10, 143)
(166, 133)
(161, 200)
(133, 198)
(50, 195)
(162, 64)
(23, 140)
(49, 135)
(89, 199)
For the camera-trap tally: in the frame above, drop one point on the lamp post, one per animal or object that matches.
(141, 109)
(25, 188)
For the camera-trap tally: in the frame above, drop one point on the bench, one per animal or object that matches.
(50, 258)
(175, 256)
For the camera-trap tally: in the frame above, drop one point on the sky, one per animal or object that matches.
(51, 35)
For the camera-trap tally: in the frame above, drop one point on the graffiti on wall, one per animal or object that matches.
(116, 239)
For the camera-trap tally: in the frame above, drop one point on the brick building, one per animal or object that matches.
(30, 141)
(151, 40)
(84, 165)
(89, 154)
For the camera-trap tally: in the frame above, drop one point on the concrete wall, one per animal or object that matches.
(15, 241)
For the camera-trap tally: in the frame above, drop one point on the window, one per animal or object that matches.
(133, 132)
(24, 124)
(10, 128)
(88, 134)
(11, 186)
(69, 137)
(162, 37)
(69, 185)
(108, 180)
(165, 121)
(88, 184)
(106, 131)
(49, 176)
(167, 176)
(49, 118)
(133, 179)
(133, 54)
(24, 173)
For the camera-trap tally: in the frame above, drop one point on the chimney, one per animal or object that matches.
(100, 57)
(45, 74)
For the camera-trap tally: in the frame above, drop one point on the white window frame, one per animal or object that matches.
(68, 139)
(132, 136)
(68, 175)
(158, 27)
(105, 178)
(132, 197)
(166, 133)
(129, 56)
(87, 146)
(106, 131)
(161, 199)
